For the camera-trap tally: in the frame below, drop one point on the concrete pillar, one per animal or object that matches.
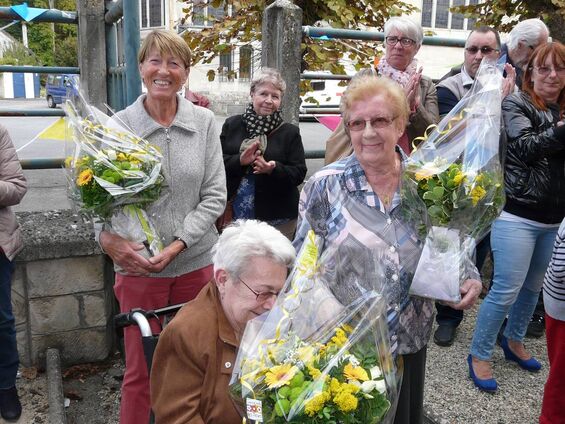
(92, 51)
(282, 35)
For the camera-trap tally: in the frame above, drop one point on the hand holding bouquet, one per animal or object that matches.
(113, 174)
(312, 359)
(456, 172)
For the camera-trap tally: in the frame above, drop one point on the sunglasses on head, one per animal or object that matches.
(484, 49)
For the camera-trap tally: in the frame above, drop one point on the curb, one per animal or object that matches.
(55, 388)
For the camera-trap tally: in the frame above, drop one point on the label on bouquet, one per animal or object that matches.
(437, 275)
(254, 409)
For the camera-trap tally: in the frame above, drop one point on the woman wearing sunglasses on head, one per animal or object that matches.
(403, 39)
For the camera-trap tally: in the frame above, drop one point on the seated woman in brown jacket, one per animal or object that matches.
(196, 352)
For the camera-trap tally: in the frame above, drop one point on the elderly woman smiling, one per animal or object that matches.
(403, 39)
(355, 205)
(193, 362)
(264, 157)
(192, 166)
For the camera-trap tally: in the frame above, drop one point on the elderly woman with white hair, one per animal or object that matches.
(193, 361)
(403, 39)
(264, 157)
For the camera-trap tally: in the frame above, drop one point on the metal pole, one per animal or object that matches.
(111, 62)
(131, 44)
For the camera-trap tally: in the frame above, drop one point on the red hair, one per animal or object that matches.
(540, 55)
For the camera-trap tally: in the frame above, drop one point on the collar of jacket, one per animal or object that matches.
(145, 125)
(225, 330)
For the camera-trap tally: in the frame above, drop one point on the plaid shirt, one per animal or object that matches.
(339, 204)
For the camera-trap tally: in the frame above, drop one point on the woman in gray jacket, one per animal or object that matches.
(194, 174)
(12, 189)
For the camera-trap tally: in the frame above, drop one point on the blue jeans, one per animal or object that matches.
(521, 253)
(8, 351)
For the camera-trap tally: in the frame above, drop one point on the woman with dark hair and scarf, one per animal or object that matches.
(264, 157)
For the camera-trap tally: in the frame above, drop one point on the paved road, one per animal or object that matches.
(47, 188)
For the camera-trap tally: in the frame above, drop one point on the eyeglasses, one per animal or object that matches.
(261, 297)
(404, 42)
(546, 70)
(484, 50)
(377, 122)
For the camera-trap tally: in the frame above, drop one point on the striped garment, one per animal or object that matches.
(372, 248)
(554, 282)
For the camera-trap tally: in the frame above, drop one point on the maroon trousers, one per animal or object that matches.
(148, 293)
(552, 409)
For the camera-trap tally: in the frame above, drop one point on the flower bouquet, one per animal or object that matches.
(314, 359)
(456, 172)
(112, 173)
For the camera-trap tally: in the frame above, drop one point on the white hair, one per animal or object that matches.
(268, 76)
(407, 27)
(528, 30)
(245, 239)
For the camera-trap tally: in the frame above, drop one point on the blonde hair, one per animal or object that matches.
(168, 42)
(367, 86)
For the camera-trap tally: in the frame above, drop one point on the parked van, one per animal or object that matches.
(59, 87)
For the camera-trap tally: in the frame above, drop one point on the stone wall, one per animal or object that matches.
(61, 290)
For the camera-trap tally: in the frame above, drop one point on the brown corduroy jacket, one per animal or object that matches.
(12, 189)
(193, 363)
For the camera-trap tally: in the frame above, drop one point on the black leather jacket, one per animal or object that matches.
(534, 170)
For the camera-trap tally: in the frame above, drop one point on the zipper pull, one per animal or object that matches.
(167, 135)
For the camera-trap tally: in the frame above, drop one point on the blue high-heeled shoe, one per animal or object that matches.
(488, 385)
(532, 364)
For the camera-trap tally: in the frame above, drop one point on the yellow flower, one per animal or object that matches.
(347, 328)
(85, 177)
(314, 372)
(68, 161)
(122, 157)
(340, 337)
(477, 193)
(459, 178)
(350, 388)
(345, 401)
(335, 386)
(305, 353)
(280, 375)
(352, 372)
(315, 404)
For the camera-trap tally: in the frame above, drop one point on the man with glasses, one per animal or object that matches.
(522, 41)
(483, 42)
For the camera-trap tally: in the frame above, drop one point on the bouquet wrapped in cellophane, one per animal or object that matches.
(457, 173)
(315, 358)
(112, 173)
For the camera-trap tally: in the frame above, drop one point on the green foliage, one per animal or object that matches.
(492, 13)
(17, 54)
(52, 44)
(244, 25)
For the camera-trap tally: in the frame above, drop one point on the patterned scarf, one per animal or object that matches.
(401, 77)
(260, 124)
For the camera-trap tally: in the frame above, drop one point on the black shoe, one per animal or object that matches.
(536, 327)
(10, 406)
(444, 335)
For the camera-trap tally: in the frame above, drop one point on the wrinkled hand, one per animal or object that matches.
(124, 253)
(248, 156)
(260, 166)
(470, 291)
(412, 90)
(159, 262)
(509, 81)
